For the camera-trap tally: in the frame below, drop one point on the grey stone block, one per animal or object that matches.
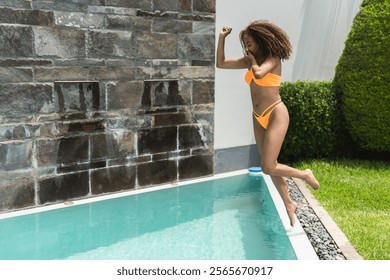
(83, 20)
(15, 155)
(111, 44)
(140, 4)
(156, 45)
(18, 100)
(124, 95)
(59, 42)
(129, 23)
(196, 46)
(16, 41)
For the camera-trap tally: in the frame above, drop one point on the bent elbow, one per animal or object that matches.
(258, 75)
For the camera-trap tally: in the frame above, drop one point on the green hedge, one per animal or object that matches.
(315, 125)
(362, 79)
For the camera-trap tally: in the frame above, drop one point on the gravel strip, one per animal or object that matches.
(322, 242)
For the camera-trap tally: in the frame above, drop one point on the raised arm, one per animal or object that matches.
(222, 62)
(271, 64)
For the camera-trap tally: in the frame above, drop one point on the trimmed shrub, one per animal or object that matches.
(362, 80)
(314, 123)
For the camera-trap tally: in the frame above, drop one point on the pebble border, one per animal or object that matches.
(322, 242)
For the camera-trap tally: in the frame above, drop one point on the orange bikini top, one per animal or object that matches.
(269, 80)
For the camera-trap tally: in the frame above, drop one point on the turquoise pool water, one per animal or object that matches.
(228, 218)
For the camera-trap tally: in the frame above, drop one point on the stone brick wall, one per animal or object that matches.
(100, 96)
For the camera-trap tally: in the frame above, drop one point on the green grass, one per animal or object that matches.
(356, 194)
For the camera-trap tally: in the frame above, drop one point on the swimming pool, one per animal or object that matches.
(230, 217)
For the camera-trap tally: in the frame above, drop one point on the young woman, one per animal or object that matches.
(265, 45)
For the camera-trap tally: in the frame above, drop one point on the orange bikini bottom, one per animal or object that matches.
(263, 119)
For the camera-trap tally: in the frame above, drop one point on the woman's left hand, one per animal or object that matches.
(249, 58)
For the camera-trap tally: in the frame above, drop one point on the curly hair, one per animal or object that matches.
(272, 40)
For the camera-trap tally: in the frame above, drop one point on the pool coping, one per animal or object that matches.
(330, 225)
(297, 236)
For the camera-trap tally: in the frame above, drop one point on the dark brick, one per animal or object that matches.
(190, 137)
(202, 62)
(157, 172)
(203, 92)
(162, 93)
(113, 179)
(73, 150)
(77, 96)
(16, 194)
(28, 17)
(171, 119)
(124, 95)
(109, 146)
(24, 62)
(63, 187)
(81, 126)
(47, 152)
(113, 73)
(185, 5)
(163, 5)
(196, 166)
(157, 140)
(81, 167)
(157, 14)
(207, 6)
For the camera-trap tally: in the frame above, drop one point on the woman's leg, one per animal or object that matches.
(281, 186)
(272, 143)
(279, 182)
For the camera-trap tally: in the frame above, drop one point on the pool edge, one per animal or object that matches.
(297, 235)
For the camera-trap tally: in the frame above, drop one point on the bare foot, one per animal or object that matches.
(291, 211)
(312, 181)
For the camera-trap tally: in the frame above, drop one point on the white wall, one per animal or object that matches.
(317, 31)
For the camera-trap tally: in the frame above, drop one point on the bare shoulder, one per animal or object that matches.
(233, 63)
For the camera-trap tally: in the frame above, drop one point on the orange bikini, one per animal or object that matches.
(269, 80)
